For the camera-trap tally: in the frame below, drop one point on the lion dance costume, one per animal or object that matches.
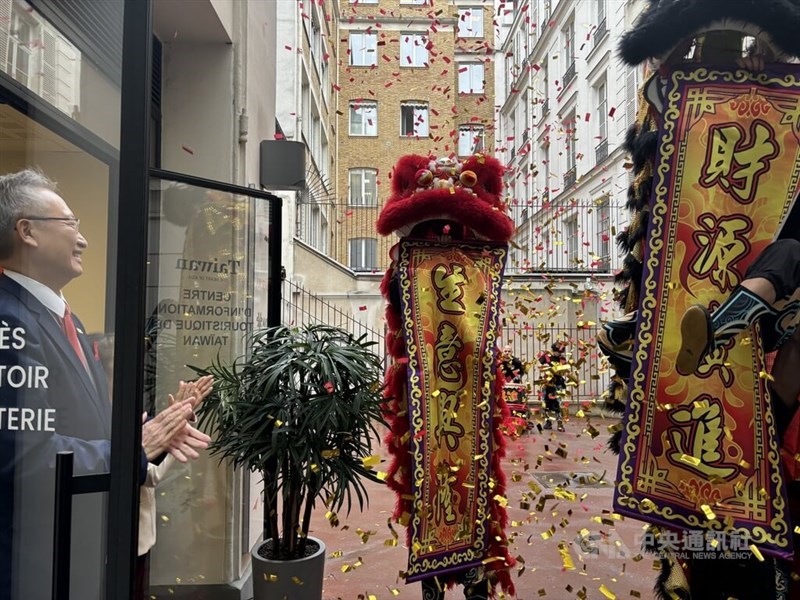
(716, 162)
(444, 390)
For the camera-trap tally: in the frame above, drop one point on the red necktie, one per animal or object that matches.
(72, 335)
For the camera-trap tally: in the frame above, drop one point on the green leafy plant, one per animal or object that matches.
(301, 408)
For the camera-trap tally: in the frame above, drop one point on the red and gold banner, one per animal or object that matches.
(700, 452)
(450, 298)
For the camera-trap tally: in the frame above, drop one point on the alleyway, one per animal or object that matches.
(571, 548)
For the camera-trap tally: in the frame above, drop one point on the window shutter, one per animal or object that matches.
(5, 28)
(630, 96)
(49, 67)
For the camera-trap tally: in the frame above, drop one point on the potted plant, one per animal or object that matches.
(301, 407)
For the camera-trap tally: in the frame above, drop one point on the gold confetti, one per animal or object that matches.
(708, 512)
(371, 461)
(607, 592)
(296, 580)
(756, 552)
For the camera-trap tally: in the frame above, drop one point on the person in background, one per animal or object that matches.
(513, 367)
(552, 363)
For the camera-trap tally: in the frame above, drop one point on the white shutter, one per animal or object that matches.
(5, 28)
(630, 96)
(68, 76)
(49, 66)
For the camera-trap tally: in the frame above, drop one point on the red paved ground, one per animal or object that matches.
(615, 564)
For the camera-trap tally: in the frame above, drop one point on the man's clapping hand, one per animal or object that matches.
(170, 431)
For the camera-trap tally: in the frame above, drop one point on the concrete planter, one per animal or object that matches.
(299, 579)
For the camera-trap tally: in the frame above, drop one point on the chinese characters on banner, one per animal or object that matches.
(450, 300)
(700, 451)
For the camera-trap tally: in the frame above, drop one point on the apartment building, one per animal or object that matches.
(414, 76)
(567, 102)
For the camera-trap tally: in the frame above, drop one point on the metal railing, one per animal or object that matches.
(569, 75)
(570, 177)
(589, 377)
(564, 239)
(300, 307)
(328, 228)
(547, 250)
(600, 32)
(601, 152)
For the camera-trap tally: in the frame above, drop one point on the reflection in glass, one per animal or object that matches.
(201, 273)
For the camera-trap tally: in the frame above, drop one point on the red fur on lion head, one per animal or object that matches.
(468, 192)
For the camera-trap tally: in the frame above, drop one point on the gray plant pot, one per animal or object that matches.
(299, 579)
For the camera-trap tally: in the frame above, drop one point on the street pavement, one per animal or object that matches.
(563, 530)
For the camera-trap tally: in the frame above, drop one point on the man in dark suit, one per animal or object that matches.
(53, 396)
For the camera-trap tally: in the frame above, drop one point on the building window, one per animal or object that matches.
(363, 254)
(569, 133)
(413, 50)
(631, 91)
(470, 139)
(20, 58)
(363, 187)
(601, 14)
(601, 97)
(470, 22)
(601, 94)
(545, 162)
(471, 78)
(568, 35)
(363, 118)
(603, 261)
(363, 49)
(416, 2)
(414, 119)
(573, 243)
(569, 126)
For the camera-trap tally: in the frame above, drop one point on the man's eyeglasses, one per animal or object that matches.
(69, 221)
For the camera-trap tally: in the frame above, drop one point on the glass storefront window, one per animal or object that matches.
(208, 255)
(59, 130)
(52, 397)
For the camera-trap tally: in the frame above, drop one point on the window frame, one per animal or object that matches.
(603, 205)
(470, 76)
(568, 33)
(601, 107)
(362, 172)
(365, 254)
(369, 46)
(415, 124)
(464, 28)
(474, 131)
(409, 48)
(362, 107)
(570, 131)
